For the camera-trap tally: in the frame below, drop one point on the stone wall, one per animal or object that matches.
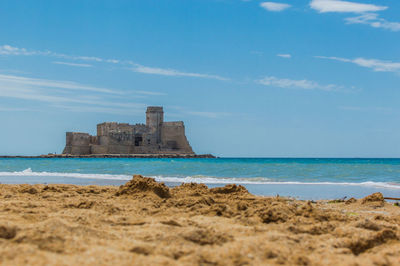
(154, 121)
(104, 129)
(77, 143)
(98, 149)
(174, 138)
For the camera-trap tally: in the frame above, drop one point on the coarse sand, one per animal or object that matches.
(147, 223)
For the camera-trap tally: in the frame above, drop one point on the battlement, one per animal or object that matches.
(154, 137)
(113, 124)
(173, 124)
(154, 109)
(106, 128)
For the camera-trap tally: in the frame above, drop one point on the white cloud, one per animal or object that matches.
(334, 58)
(183, 111)
(151, 93)
(135, 110)
(8, 82)
(70, 96)
(9, 50)
(284, 55)
(72, 64)
(324, 6)
(273, 6)
(208, 114)
(368, 15)
(297, 84)
(10, 79)
(113, 61)
(374, 64)
(378, 65)
(172, 72)
(374, 21)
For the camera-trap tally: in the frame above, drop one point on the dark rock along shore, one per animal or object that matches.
(114, 156)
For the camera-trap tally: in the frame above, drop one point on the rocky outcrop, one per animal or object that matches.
(188, 156)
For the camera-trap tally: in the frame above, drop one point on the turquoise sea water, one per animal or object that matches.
(302, 178)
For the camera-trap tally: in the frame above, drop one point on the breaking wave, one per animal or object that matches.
(29, 173)
(196, 179)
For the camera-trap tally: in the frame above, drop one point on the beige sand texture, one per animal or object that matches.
(147, 223)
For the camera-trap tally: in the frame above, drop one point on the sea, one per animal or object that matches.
(300, 178)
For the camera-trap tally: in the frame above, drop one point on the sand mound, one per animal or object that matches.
(350, 201)
(230, 189)
(189, 225)
(140, 184)
(190, 189)
(277, 212)
(374, 200)
(376, 197)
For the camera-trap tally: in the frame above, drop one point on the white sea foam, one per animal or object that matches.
(29, 173)
(196, 179)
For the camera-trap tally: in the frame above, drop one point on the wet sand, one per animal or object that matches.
(147, 223)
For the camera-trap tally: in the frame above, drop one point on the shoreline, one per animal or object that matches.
(298, 191)
(144, 222)
(158, 156)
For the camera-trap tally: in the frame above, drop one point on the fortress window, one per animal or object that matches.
(138, 139)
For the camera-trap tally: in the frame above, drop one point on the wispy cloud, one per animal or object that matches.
(208, 114)
(9, 50)
(72, 64)
(324, 6)
(284, 55)
(275, 7)
(374, 64)
(70, 96)
(11, 79)
(297, 84)
(48, 96)
(367, 13)
(172, 72)
(184, 111)
(84, 58)
(150, 93)
(374, 21)
(134, 110)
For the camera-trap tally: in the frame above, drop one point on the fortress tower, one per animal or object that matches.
(154, 121)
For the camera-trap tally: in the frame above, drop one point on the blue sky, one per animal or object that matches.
(306, 78)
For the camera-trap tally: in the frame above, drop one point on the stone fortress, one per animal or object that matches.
(154, 137)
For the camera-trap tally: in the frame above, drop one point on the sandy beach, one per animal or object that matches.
(147, 223)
